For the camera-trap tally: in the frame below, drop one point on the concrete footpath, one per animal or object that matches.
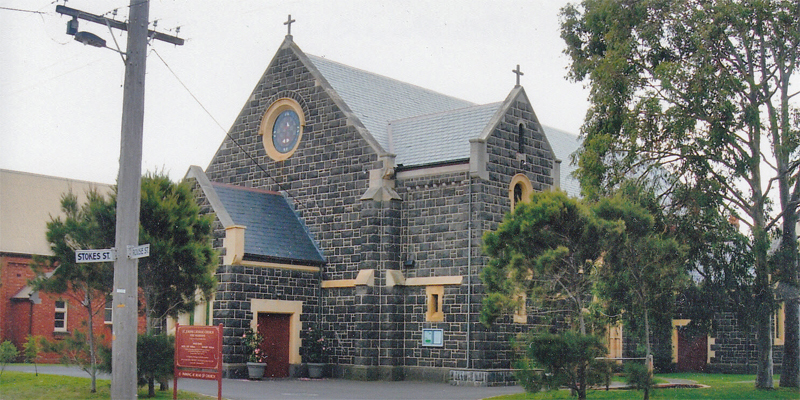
(318, 389)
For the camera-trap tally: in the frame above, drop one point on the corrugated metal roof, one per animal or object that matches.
(439, 137)
(273, 228)
(376, 100)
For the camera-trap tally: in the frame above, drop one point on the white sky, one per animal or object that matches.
(61, 101)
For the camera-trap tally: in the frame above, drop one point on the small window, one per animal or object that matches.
(517, 193)
(521, 138)
(435, 295)
(521, 312)
(108, 313)
(60, 320)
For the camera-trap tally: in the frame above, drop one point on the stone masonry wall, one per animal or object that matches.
(238, 285)
(324, 178)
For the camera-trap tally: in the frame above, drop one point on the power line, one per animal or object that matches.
(21, 10)
(246, 153)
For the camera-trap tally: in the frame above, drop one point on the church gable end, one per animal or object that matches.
(400, 236)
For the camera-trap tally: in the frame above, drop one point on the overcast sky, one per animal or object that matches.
(61, 101)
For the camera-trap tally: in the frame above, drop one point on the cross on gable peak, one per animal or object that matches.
(518, 72)
(288, 23)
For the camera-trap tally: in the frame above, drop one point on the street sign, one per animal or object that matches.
(138, 251)
(98, 255)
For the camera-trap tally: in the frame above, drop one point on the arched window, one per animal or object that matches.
(519, 190)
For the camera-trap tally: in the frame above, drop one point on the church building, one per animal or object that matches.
(353, 203)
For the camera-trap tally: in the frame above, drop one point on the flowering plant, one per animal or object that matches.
(252, 346)
(315, 346)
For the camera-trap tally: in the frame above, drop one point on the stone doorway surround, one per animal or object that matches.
(292, 308)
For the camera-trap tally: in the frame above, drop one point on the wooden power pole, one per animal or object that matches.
(129, 184)
(126, 274)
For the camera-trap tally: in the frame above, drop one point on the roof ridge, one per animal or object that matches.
(315, 57)
(455, 110)
(245, 188)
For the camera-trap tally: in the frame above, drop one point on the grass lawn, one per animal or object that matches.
(26, 386)
(739, 387)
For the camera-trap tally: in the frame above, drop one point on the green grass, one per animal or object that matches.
(722, 387)
(26, 386)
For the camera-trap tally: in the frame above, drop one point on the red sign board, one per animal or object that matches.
(197, 347)
(198, 354)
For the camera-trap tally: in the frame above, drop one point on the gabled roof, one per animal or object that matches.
(273, 230)
(441, 137)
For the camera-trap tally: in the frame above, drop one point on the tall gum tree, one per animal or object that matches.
(704, 91)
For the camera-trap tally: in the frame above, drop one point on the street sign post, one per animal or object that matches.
(138, 251)
(97, 255)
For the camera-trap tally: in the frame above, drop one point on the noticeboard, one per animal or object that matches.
(198, 354)
(433, 337)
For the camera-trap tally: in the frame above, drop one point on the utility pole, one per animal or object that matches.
(129, 184)
(126, 271)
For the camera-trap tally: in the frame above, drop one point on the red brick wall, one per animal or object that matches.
(18, 320)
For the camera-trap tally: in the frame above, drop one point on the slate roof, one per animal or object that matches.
(440, 137)
(564, 144)
(376, 100)
(422, 126)
(274, 230)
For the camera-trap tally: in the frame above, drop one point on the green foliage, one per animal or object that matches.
(8, 353)
(544, 248)
(32, 348)
(74, 349)
(154, 359)
(182, 260)
(642, 267)
(315, 346)
(699, 93)
(252, 341)
(86, 226)
(560, 360)
(639, 377)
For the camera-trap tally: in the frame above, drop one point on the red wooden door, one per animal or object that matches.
(692, 352)
(275, 330)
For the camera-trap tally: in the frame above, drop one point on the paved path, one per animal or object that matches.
(317, 389)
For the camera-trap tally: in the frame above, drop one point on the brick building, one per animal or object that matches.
(356, 203)
(27, 202)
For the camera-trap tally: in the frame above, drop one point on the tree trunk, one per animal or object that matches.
(764, 300)
(582, 366)
(790, 370)
(90, 338)
(764, 378)
(581, 381)
(648, 351)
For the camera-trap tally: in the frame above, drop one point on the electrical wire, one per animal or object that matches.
(246, 153)
(21, 10)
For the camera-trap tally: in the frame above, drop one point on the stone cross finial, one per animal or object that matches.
(288, 23)
(518, 72)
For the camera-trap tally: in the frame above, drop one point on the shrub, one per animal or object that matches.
(640, 378)
(555, 360)
(8, 353)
